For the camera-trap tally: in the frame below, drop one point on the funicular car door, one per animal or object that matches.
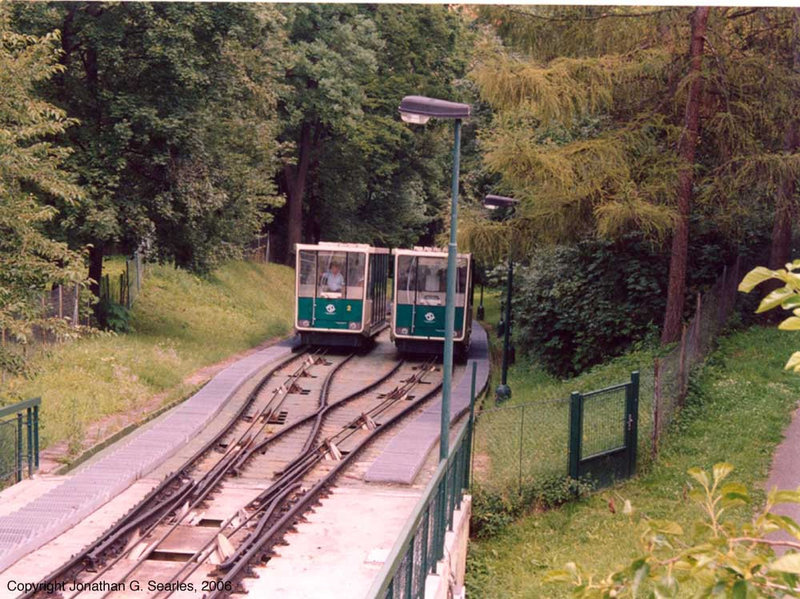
(431, 295)
(340, 290)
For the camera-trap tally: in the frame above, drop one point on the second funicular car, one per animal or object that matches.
(420, 293)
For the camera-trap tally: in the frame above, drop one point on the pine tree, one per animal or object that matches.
(604, 123)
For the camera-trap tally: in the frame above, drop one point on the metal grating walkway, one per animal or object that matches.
(91, 486)
(406, 452)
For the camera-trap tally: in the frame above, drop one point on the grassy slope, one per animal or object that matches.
(181, 322)
(737, 411)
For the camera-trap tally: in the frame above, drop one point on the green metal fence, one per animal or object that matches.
(421, 543)
(19, 440)
(522, 445)
(604, 427)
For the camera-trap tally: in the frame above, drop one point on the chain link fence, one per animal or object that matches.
(671, 372)
(258, 249)
(519, 446)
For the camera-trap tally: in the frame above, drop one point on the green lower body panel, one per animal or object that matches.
(426, 321)
(336, 314)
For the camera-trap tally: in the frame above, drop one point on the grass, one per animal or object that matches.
(543, 427)
(180, 322)
(737, 409)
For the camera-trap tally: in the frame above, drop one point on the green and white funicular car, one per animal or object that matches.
(420, 292)
(341, 293)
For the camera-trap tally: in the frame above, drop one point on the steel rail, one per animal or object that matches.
(242, 559)
(144, 510)
(206, 485)
(286, 480)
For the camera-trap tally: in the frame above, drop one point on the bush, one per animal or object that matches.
(493, 511)
(113, 316)
(579, 305)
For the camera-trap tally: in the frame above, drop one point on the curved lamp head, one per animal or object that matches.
(493, 201)
(420, 109)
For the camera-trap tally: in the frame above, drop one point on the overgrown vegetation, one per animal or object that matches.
(31, 166)
(737, 409)
(717, 557)
(611, 120)
(179, 323)
(587, 302)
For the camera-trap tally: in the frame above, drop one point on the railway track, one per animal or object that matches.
(198, 534)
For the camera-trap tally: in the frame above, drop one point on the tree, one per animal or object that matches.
(176, 142)
(31, 167)
(333, 54)
(366, 176)
(598, 122)
(786, 198)
(687, 146)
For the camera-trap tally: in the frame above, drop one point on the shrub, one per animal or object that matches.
(492, 511)
(718, 557)
(578, 305)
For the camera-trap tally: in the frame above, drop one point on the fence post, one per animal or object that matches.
(632, 432)
(656, 407)
(19, 447)
(682, 367)
(36, 435)
(521, 433)
(76, 307)
(128, 284)
(575, 432)
(471, 433)
(29, 431)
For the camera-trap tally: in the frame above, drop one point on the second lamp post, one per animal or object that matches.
(503, 391)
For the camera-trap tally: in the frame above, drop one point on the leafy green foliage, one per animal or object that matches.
(718, 557)
(578, 305)
(368, 176)
(31, 169)
(176, 140)
(787, 297)
(493, 511)
(113, 316)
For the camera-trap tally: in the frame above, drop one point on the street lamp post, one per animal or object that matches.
(503, 391)
(418, 110)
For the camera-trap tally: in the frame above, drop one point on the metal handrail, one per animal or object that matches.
(31, 425)
(395, 558)
(19, 407)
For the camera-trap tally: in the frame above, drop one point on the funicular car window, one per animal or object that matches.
(308, 274)
(356, 270)
(406, 279)
(461, 282)
(331, 272)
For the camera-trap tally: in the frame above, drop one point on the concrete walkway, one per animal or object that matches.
(785, 475)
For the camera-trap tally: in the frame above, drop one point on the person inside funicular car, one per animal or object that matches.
(333, 279)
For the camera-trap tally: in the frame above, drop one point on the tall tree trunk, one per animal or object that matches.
(686, 150)
(95, 267)
(296, 176)
(780, 249)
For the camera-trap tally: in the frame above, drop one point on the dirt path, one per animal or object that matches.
(53, 458)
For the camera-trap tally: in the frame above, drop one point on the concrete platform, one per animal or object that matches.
(339, 548)
(37, 511)
(403, 458)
